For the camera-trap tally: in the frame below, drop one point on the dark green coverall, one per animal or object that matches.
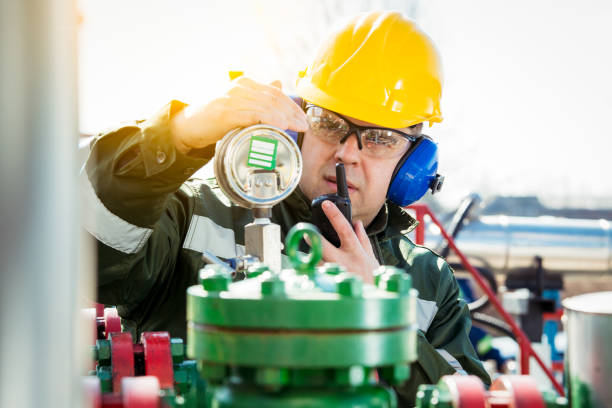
(152, 221)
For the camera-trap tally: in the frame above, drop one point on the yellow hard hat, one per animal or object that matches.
(379, 68)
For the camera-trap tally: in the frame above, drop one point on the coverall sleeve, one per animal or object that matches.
(135, 206)
(445, 348)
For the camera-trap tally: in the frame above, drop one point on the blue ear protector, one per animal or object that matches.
(415, 173)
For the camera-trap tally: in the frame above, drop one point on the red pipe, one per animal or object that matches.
(524, 344)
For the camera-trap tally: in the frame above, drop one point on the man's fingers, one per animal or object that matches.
(362, 236)
(269, 105)
(277, 84)
(246, 112)
(341, 225)
(329, 252)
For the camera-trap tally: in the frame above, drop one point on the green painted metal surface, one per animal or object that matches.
(301, 349)
(374, 396)
(307, 336)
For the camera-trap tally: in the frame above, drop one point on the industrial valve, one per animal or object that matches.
(157, 356)
(508, 391)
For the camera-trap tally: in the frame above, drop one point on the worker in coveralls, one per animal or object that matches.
(364, 100)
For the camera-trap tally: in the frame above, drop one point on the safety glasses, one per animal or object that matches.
(376, 142)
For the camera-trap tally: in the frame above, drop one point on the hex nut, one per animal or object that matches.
(272, 377)
(332, 268)
(214, 278)
(177, 348)
(273, 287)
(351, 376)
(103, 352)
(399, 284)
(349, 285)
(424, 394)
(396, 374)
(105, 375)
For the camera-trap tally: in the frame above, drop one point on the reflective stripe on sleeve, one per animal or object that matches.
(426, 311)
(452, 361)
(108, 228)
(205, 235)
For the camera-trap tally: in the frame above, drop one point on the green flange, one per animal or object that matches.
(244, 306)
(301, 349)
(305, 317)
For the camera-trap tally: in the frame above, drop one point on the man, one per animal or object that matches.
(366, 95)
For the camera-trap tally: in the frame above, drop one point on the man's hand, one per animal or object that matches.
(246, 103)
(355, 252)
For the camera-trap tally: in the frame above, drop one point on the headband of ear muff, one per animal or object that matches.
(414, 174)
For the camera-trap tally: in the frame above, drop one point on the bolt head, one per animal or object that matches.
(177, 348)
(214, 278)
(272, 377)
(332, 268)
(273, 287)
(395, 280)
(349, 285)
(352, 376)
(396, 374)
(103, 352)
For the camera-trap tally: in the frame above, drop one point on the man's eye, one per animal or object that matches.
(328, 123)
(381, 138)
(324, 123)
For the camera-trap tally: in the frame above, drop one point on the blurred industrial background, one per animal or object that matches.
(526, 101)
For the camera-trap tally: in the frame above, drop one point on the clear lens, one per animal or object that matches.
(331, 128)
(326, 125)
(383, 142)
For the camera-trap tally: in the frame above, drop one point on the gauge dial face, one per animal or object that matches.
(258, 166)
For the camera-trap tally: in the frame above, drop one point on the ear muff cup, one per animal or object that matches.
(414, 173)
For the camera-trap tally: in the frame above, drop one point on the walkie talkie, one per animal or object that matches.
(342, 201)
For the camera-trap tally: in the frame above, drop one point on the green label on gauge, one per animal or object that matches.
(262, 153)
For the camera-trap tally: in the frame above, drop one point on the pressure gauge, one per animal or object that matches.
(257, 166)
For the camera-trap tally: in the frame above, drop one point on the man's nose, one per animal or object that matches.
(348, 152)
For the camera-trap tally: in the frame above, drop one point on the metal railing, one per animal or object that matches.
(526, 351)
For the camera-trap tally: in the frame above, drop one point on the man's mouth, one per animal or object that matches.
(330, 181)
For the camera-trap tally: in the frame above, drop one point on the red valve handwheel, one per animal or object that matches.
(158, 357)
(467, 391)
(122, 358)
(112, 321)
(522, 391)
